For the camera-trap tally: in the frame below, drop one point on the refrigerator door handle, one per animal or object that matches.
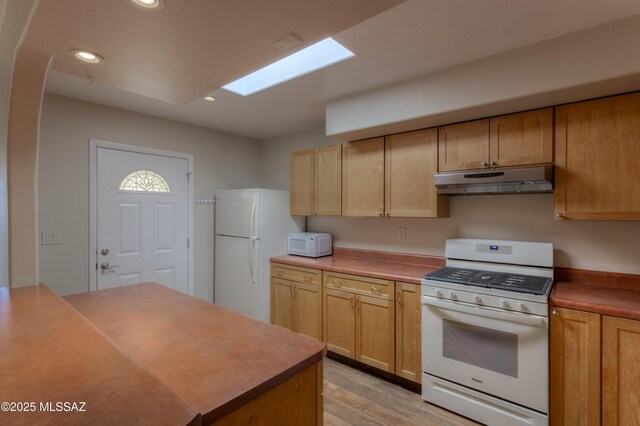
(252, 240)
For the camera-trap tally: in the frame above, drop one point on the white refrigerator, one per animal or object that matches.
(251, 226)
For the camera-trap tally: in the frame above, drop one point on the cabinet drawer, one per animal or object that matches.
(296, 273)
(375, 287)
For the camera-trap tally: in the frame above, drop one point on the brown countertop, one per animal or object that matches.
(214, 359)
(384, 265)
(600, 292)
(50, 353)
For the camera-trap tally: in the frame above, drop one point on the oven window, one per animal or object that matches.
(298, 244)
(483, 347)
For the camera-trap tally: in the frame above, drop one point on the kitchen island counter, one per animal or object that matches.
(216, 360)
(50, 355)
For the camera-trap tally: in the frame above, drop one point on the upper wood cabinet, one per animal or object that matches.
(621, 372)
(463, 146)
(363, 178)
(597, 156)
(392, 176)
(520, 139)
(327, 181)
(411, 160)
(302, 182)
(316, 181)
(574, 350)
(510, 140)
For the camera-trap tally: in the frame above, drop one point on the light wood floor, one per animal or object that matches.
(352, 397)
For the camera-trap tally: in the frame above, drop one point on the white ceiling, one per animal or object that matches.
(413, 38)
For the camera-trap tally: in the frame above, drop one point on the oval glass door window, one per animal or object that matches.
(144, 181)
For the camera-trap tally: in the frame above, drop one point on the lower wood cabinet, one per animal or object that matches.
(373, 321)
(408, 331)
(594, 369)
(620, 371)
(297, 306)
(359, 318)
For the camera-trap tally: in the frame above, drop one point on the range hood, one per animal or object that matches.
(508, 180)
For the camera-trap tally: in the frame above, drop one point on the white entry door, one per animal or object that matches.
(142, 219)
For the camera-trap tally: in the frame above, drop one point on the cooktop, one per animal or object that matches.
(491, 279)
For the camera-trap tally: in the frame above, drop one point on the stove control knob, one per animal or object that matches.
(523, 307)
(453, 296)
(438, 293)
(477, 299)
(504, 304)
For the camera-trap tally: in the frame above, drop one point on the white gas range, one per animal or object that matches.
(485, 335)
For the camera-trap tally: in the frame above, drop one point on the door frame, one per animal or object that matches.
(94, 144)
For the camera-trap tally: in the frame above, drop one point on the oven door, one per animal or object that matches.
(495, 351)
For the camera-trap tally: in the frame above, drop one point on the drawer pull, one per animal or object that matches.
(308, 278)
(375, 290)
(336, 283)
(280, 273)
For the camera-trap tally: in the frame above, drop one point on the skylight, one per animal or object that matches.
(313, 58)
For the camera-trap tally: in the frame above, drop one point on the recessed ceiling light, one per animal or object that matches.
(209, 98)
(86, 56)
(148, 4)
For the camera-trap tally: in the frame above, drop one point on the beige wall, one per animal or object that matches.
(607, 246)
(14, 15)
(222, 160)
(580, 65)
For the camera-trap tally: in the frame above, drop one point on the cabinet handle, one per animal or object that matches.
(380, 213)
(555, 312)
(560, 215)
(386, 214)
(307, 278)
(375, 290)
(398, 298)
(336, 283)
(493, 164)
(485, 164)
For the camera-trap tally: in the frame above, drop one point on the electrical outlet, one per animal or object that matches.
(402, 233)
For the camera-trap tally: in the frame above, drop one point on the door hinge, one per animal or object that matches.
(96, 266)
(188, 242)
(188, 177)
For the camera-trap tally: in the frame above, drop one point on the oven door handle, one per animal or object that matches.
(526, 319)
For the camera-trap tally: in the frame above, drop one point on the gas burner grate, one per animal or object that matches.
(453, 275)
(503, 281)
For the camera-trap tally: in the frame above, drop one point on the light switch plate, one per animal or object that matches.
(402, 233)
(50, 237)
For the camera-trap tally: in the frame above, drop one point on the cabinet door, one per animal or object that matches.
(621, 372)
(363, 178)
(302, 182)
(328, 181)
(597, 156)
(408, 332)
(375, 333)
(307, 310)
(521, 139)
(282, 303)
(338, 316)
(463, 146)
(574, 368)
(411, 160)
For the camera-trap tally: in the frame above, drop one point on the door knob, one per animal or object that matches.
(104, 252)
(106, 267)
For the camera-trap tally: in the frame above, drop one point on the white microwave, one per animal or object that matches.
(309, 244)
